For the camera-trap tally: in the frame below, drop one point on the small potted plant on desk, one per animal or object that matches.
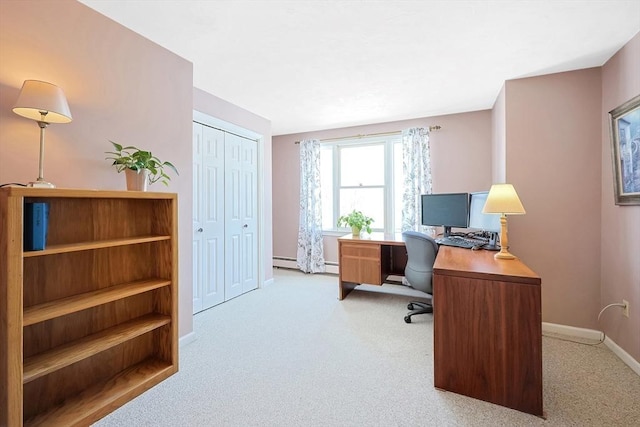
(357, 221)
(140, 166)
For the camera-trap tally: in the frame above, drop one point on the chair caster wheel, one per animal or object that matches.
(407, 319)
(409, 306)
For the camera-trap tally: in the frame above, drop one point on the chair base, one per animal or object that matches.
(422, 308)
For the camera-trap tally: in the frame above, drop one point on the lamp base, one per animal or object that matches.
(41, 184)
(504, 254)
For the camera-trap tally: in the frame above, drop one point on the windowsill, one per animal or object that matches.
(340, 233)
(334, 233)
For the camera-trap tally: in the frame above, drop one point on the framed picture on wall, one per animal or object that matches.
(625, 145)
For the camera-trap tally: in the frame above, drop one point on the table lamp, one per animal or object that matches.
(44, 103)
(503, 200)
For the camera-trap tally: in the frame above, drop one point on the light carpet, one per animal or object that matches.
(291, 354)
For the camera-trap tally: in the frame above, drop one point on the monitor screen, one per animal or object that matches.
(446, 209)
(479, 220)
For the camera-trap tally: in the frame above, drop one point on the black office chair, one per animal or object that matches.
(421, 252)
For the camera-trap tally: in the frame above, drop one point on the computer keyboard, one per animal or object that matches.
(460, 242)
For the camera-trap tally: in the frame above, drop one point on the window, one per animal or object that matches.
(365, 175)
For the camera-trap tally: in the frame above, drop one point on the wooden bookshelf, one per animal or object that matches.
(89, 322)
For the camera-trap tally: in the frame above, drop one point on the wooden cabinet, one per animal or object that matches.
(369, 260)
(488, 329)
(89, 322)
(361, 263)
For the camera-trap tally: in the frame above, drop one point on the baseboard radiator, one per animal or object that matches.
(290, 263)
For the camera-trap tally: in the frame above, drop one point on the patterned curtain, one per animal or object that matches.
(310, 257)
(416, 168)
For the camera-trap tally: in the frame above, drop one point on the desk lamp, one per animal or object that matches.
(503, 200)
(44, 103)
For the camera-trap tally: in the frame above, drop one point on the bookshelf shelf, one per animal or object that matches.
(113, 392)
(62, 307)
(85, 246)
(59, 357)
(90, 321)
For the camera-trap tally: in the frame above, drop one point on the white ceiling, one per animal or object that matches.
(310, 65)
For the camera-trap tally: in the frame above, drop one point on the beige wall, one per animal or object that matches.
(463, 143)
(553, 160)
(499, 139)
(120, 86)
(549, 136)
(620, 233)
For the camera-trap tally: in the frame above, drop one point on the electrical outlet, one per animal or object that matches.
(625, 309)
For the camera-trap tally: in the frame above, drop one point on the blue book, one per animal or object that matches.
(36, 221)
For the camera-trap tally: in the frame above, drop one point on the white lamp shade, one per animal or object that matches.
(36, 97)
(503, 199)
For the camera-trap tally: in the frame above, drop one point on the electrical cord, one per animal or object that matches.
(603, 336)
(13, 183)
(578, 342)
(615, 304)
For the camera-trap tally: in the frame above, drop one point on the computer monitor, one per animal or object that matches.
(481, 221)
(446, 210)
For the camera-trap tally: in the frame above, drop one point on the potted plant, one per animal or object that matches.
(357, 221)
(140, 166)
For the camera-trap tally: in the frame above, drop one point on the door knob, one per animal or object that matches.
(200, 230)
(245, 226)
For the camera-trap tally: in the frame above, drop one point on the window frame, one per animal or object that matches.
(388, 141)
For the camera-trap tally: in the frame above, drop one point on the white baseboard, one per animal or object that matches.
(267, 283)
(284, 262)
(571, 331)
(623, 355)
(333, 269)
(187, 339)
(591, 334)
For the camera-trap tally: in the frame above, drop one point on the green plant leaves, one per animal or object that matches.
(356, 219)
(133, 158)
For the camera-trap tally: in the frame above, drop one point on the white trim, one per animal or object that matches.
(267, 283)
(388, 142)
(223, 125)
(571, 331)
(623, 355)
(285, 263)
(291, 263)
(187, 339)
(593, 335)
(332, 269)
(207, 120)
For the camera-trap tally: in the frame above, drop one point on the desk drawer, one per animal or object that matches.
(358, 270)
(361, 251)
(360, 263)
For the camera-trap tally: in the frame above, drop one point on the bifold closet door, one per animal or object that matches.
(208, 217)
(241, 215)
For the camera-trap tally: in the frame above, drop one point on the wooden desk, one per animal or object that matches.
(487, 324)
(370, 259)
(487, 317)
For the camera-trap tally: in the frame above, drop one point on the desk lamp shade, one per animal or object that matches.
(503, 200)
(44, 103)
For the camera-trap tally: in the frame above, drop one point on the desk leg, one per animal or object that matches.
(345, 288)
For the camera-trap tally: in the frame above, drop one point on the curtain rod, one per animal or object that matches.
(431, 128)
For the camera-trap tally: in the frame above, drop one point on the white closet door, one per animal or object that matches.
(240, 215)
(233, 217)
(208, 211)
(197, 220)
(249, 194)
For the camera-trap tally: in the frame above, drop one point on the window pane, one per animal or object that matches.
(326, 188)
(368, 200)
(398, 178)
(363, 165)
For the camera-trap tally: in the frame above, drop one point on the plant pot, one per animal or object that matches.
(356, 231)
(137, 180)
